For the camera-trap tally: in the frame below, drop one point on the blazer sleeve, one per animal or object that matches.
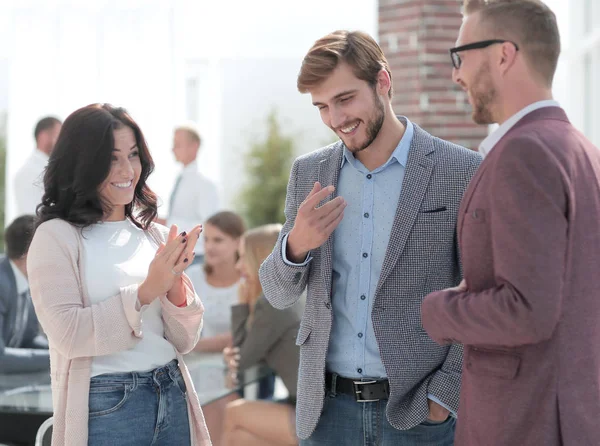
(282, 282)
(74, 330)
(268, 325)
(528, 223)
(445, 383)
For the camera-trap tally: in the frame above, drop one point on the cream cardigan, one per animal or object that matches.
(78, 331)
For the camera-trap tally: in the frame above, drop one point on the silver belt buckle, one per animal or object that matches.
(358, 392)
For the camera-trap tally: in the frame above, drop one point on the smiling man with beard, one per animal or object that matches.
(370, 230)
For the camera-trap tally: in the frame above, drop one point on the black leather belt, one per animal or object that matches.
(362, 391)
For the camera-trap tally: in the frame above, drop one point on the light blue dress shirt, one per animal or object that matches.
(359, 247)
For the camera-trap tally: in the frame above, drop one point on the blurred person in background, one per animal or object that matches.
(218, 278)
(217, 281)
(22, 348)
(110, 291)
(261, 334)
(29, 178)
(194, 197)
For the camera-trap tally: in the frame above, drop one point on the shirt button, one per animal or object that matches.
(327, 304)
(369, 176)
(363, 297)
(359, 370)
(360, 335)
(365, 255)
(366, 215)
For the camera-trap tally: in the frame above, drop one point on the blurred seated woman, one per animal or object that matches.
(218, 279)
(261, 334)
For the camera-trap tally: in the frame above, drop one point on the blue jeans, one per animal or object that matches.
(139, 408)
(348, 423)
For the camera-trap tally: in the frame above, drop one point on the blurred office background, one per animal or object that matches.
(228, 65)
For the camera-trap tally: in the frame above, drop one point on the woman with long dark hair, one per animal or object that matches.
(111, 294)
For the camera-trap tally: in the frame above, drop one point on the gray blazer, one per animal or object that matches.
(422, 256)
(32, 354)
(270, 339)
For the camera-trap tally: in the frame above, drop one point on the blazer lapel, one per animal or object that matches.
(416, 178)
(464, 204)
(329, 172)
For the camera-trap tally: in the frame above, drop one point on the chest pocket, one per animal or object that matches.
(432, 218)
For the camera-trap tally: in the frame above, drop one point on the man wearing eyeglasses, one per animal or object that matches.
(528, 308)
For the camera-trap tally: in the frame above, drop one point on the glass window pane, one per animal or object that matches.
(587, 96)
(588, 19)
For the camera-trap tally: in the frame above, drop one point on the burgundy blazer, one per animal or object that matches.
(529, 234)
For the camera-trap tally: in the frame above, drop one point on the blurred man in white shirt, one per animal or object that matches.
(194, 197)
(29, 180)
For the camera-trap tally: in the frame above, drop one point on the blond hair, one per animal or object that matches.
(258, 244)
(356, 48)
(529, 23)
(192, 132)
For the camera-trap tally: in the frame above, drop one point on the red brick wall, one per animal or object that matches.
(415, 36)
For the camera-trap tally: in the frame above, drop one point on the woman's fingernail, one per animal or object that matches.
(185, 260)
(184, 240)
(183, 234)
(193, 254)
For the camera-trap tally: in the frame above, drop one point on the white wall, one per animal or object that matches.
(64, 57)
(562, 92)
(576, 84)
(582, 65)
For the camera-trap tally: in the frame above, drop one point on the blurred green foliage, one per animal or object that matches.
(267, 164)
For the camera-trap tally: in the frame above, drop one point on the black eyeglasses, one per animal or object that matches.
(457, 61)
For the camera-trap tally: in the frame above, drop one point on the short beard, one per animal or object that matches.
(374, 125)
(484, 95)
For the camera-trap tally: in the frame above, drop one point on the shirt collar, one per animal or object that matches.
(493, 138)
(20, 279)
(400, 153)
(38, 154)
(191, 167)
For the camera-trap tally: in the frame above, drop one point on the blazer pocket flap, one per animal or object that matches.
(500, 364)
(433, 217)
(303, 333)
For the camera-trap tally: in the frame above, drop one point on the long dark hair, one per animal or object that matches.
(81, 162)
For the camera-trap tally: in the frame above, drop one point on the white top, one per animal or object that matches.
(29, 183)
(195, 200)
(118, 254)
(493, 138)
(20, 279)
(217, 302)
